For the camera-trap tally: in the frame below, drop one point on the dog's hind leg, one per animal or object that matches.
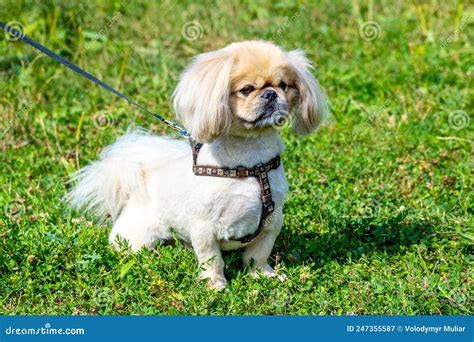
(138, 225)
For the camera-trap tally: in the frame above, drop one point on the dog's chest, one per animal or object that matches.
(239, 206)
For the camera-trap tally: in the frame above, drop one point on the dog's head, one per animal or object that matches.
(247, 88)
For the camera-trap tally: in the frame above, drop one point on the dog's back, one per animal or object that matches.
(104, 186)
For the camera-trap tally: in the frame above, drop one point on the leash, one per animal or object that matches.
(83, 73)
(259, 171)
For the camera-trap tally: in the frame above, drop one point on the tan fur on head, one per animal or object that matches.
(245, 88)
(201, 99)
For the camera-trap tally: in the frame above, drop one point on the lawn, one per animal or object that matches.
(380, 213)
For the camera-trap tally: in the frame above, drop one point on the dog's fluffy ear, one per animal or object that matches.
(201, 99)
(312, 107)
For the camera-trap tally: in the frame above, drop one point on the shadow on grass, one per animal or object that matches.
(347, 239)
(350, 238)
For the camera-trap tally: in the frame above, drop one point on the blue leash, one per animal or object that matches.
(75, 68)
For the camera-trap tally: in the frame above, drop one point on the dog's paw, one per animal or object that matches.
(214, 281)
(268, 271)
(217, 283)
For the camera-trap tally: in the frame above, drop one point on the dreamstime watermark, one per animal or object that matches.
(458, 120)
(15, 209)
(103, 119)
(370, 208)
(15, 30)
(109, 22)
(280, 297)
(456, 33)
(46, 330)
(373, 115)
(103, 296)
(273, 216)
(283, 119)
(192, 208)
(366, 209)
(192, 30)
(285, 25)
(24, 109)
(369, 30)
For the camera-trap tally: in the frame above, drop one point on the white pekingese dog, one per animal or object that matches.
(231, 196)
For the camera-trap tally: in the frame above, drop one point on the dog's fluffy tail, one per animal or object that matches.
(105, 186)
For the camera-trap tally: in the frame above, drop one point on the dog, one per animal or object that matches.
(232, 101)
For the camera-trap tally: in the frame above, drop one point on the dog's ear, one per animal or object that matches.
(312, 107)
(201, 99)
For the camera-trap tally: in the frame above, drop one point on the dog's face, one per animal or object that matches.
(247, 88)
(262, 90)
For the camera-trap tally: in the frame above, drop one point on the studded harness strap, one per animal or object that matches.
(260, 171)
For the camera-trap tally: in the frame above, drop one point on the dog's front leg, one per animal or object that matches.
(260, 249)
(208, 253)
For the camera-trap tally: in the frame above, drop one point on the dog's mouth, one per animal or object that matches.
(268, 115)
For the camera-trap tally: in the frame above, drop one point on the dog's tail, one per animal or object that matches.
(104, 187)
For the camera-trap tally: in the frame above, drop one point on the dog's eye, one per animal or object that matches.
(247, 89)
(283, 85)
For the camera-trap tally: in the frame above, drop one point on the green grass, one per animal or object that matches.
(379, 216)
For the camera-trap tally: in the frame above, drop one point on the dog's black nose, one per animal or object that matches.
(269, 95)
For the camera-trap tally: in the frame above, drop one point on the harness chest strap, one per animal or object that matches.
(260, 171)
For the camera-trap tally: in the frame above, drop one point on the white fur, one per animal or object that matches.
(145, 183)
